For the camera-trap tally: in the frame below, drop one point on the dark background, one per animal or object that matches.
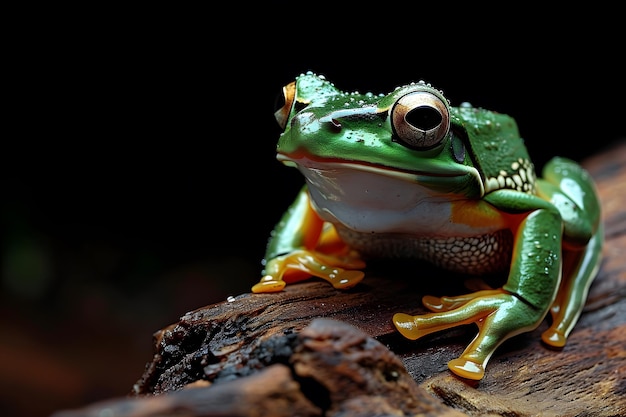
(138, 174)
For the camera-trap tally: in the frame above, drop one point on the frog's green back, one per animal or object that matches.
(497, 148)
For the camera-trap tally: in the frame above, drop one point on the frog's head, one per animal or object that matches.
(411, 134)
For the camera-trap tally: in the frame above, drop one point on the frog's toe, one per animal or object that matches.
(345, 279)
(406, 325)
(268, 284)
(412, 327)
(437, 304)
(554, 338)
(467, 368)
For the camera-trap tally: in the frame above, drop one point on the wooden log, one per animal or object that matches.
(268, 352)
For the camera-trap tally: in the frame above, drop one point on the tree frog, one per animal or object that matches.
(407, 175)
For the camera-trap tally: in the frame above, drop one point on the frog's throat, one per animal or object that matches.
(460, 179)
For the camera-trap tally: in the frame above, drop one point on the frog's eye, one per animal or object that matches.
(283, 104)
(421, 120)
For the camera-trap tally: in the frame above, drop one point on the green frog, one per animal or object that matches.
(407, 175)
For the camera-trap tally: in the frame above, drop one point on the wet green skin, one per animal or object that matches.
(365, 157)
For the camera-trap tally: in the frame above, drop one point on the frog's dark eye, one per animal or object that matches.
(283, 104)
(420, 120)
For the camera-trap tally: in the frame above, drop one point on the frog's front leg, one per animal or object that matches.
(519, 306)
(303, 245)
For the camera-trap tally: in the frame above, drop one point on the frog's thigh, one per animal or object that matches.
(567, 186)
(582, 246)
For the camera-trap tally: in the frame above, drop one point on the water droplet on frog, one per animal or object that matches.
(230, 298)
(492, 145)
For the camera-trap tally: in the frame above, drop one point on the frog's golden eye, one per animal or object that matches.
(420, 119)
(283, 104)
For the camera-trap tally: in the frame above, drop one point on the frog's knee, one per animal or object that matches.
(578, 225)
(574, 181)
(562, 167)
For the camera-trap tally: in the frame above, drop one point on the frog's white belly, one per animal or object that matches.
(388, 216)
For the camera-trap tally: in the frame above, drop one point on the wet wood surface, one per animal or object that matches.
(256, 350)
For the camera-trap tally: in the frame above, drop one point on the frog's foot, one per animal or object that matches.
(498, 314)
(342, 271)
(554, 338)
(565, 312)
(268, 283)
(562, 323)
(437, 304)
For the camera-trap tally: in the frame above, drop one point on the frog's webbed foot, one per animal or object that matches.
(341, 270)
(498, 314)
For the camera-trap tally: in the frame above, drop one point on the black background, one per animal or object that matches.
(139, 179)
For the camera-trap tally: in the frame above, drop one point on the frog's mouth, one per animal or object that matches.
(436, 177)
(377, 199)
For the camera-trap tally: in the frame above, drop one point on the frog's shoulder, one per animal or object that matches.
(496, 147)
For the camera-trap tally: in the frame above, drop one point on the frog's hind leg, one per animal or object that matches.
(518, 307)
(571, 190)
(579, 270)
